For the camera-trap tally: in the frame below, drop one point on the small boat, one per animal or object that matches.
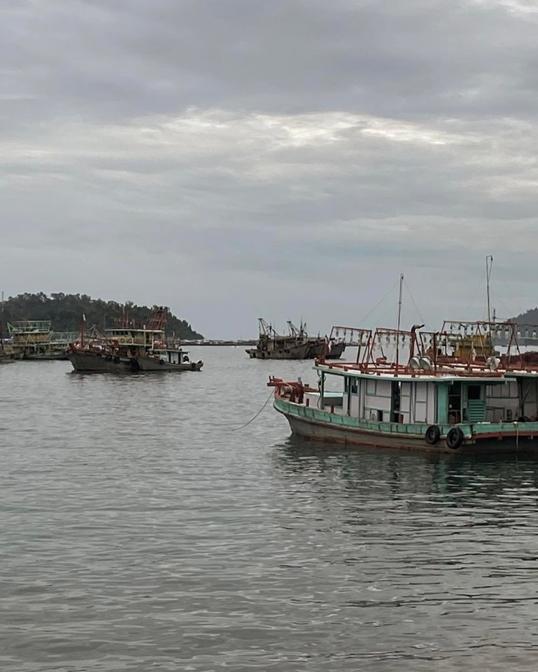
(281, 350)
(442, 391)
(166, 360)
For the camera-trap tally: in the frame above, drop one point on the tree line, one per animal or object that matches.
(65, 311)
(529, 317)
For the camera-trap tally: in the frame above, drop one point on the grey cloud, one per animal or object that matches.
(130, 58)
(291, 156)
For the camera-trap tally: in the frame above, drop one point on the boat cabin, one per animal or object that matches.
(137, 338)
(429, 399)
(172, 356)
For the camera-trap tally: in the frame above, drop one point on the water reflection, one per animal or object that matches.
(446, 542)
(457, 479)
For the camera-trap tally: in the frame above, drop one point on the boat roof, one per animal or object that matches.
(461, 351)
(523, 373)
(29, 327)
(442, 375)
(131, 330)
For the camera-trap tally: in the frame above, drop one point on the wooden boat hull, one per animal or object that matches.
(312, 349)
(93, 362)
(299, 351)
(315, 424)
(45, 357)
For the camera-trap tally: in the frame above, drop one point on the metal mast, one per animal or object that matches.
(399, 322)
(489, 266)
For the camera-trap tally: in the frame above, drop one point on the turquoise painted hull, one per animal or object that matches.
(316, 424)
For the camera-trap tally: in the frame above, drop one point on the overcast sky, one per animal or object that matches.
(278, 158)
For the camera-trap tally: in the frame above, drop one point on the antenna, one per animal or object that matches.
(400, 302)
(399, 321)
(489, 266)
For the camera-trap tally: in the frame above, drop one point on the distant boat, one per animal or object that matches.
(35, 340)
(297, 344)
(128, 348)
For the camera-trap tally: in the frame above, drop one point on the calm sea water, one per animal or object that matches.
(139, 531)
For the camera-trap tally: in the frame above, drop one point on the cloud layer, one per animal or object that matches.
(286, 159)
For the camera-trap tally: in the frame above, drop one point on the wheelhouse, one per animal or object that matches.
(408, 399)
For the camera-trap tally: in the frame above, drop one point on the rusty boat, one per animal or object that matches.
(296, 344)
(127, 347)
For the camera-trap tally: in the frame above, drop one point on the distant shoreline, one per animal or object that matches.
(209, 341)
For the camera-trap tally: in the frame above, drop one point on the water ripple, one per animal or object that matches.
(139, 532)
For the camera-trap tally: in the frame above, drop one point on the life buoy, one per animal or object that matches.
(454, 438)
(433, 434)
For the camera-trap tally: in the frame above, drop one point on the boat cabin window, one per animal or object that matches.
(371, 387)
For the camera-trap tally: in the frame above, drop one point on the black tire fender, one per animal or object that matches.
(432, 435)
(454, 438)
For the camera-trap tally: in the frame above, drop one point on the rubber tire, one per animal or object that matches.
(454, 438)
(432, 435)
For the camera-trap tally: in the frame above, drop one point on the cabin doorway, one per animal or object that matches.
(395, 403)
(454, 403)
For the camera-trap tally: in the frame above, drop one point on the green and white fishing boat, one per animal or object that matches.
(445, 391)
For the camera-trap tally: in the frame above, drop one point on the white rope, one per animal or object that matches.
(236, 429)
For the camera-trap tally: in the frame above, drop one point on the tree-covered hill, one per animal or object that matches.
(528, 317)
(66, 310)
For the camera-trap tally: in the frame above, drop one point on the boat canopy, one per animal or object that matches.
(351, 370)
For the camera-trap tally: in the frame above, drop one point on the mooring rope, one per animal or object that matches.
(236, 429)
